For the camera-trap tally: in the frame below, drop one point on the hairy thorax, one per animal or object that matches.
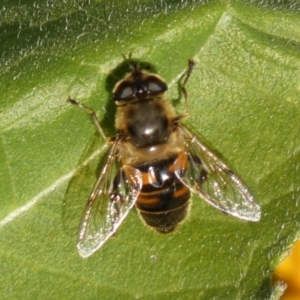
(148, 130)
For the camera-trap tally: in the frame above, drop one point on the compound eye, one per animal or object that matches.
(155, 85)
(125, 91)
(139, 87)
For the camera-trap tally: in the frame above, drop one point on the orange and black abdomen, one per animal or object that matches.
(163, 200)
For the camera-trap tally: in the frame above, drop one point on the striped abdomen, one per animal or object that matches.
(163, 200)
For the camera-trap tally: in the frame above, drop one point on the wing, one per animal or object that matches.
(113, 195)
(209, 177)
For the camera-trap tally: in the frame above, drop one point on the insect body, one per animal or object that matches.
(154, 163)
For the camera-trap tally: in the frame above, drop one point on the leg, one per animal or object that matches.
(92, 113)
(184, 91)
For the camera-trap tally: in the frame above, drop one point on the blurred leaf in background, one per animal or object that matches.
(244, 97)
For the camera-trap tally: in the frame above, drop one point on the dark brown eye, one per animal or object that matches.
(138, 88)
(124, 92)
(155, 85)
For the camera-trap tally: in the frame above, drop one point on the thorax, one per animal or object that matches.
(148, 130)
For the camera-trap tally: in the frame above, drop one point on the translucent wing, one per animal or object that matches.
(113, 195)
(209, 177)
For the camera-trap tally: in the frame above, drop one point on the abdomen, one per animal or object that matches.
(163, 200)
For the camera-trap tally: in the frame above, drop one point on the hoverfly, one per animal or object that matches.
(154, 163)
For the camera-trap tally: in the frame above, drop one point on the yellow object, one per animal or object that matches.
(288, 271)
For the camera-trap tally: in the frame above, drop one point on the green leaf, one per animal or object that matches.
(244, 98)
